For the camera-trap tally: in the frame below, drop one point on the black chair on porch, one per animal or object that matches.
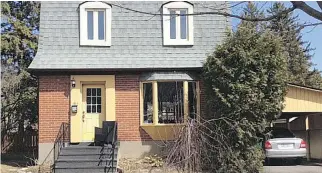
(107, 138)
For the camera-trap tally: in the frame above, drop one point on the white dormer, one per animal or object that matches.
(95, 24)
(177, 25)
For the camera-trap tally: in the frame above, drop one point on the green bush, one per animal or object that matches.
(245, 83)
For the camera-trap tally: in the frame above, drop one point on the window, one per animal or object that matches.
(192, 99)
(147, 103)
(93, 100)
(177, 25)
(168, 102)
(95, 24)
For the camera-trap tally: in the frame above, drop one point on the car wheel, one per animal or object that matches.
(298, 161)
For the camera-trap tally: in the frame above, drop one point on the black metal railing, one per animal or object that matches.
(61, 139)
(108, 141)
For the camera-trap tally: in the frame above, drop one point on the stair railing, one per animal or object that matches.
(110, 138)
(61, 139)
(60, 142)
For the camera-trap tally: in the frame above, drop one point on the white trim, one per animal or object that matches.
(83, 24)
(166, 24)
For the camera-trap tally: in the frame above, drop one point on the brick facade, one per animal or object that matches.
(127, 94)
(54, 94)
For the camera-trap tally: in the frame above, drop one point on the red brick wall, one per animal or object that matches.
(54, 94)
(127, 94)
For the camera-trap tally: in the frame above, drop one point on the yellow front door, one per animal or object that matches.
(93, 110)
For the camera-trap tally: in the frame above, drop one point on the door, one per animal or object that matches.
(93, 110)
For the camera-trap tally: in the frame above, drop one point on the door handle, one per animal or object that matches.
(83, 117)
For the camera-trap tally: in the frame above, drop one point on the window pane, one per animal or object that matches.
(99, 109)
(94, 108)
(172, 24)
(90, 25)
(88, 108)
(98, 91)
(192, 99)
(99, 100)
(183, 24)
(93, 91)
(170, 99)
(147, 102)
(93, 100)
(101, 26)
(89, 92)
(88, 100)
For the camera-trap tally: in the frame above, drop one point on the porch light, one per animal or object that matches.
(73, 83)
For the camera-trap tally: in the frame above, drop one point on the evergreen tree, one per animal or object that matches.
(245, 85)
(298, 51)
(19, 27)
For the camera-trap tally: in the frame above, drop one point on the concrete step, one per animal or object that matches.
(85, 170)
(73, 163)
(90, 156)
(91, 147)
(87, 150)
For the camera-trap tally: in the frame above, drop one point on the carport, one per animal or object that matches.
(303, 115)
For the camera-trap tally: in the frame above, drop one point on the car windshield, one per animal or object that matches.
(281, 133)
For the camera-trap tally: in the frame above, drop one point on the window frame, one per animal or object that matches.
(95, 7)
(91, 96)
(155, 102)
(166, 24)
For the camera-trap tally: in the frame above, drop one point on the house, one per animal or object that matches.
(100, 61)
(123, 62)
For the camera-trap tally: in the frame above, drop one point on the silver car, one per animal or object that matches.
(282, 143)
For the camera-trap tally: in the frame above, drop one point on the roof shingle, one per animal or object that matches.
(136, 39)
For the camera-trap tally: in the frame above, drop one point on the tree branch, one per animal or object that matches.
(307, 9)
(311, 24)
(320, 4)
(213, 13)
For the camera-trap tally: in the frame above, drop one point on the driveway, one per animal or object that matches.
(289, 168)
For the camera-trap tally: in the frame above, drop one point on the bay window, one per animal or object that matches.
(147, 103)
(168, 102)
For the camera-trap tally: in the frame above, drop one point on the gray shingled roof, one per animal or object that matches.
(168, 76)
(136, 39)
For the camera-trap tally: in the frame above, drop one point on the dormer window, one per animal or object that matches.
(95, 24)
(177, 24)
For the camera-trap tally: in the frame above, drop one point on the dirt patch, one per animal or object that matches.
(12, 168)
(142, 166)
(16, 169)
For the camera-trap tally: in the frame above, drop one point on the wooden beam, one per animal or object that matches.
(141, 104)
(307, 130)
(155, 102)
(198, 101)
(185, 101)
